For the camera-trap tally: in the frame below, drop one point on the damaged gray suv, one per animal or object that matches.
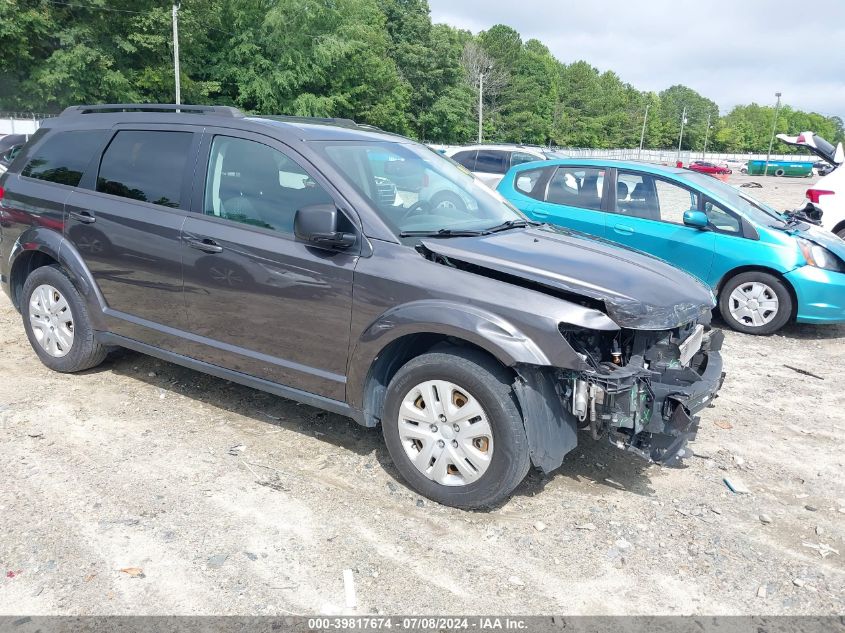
(358, 272)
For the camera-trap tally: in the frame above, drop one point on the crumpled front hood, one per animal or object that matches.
(639, 291)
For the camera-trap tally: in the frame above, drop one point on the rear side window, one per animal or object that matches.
(466, 158)
(579, 187)
(532, 182)
(63, 156)
(147, 166)
(491, 161)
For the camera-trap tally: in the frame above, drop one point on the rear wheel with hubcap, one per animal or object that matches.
(755, 303)
(56, 322)
(453, 429)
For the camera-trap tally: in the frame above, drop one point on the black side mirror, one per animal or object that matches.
(318, 225)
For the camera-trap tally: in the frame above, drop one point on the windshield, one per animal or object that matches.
(417, 190)
(750, 207)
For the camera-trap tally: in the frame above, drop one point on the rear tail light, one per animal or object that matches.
(2, 192)
(815, 194)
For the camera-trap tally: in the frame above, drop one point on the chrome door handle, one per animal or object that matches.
(83, 216)
(205, 245)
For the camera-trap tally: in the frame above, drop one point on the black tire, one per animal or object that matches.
(779, 172)
(744, 170)
(490, 384)
(785, 303)
(448, 197)
(841, 233)
(85, 352)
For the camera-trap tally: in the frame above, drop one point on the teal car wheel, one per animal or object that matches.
(755, 303)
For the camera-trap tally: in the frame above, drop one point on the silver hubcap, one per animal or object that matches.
(445, 433)
(51, 320)
(754, 304)
(446, 204)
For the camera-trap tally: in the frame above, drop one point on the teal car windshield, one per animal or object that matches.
(752, 209)
(417, 191)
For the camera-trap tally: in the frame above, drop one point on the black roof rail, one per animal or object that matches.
(151, 107)
(285, 118)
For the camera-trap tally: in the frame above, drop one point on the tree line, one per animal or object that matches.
(380, 62)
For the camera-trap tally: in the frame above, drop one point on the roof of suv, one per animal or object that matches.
(303, 128)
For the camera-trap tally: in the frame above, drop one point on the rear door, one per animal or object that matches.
(574, 197)
(649, 216)
(258, 301)
(125, 220)
(491, 165)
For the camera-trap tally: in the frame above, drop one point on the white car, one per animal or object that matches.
(828, 193)
(490, 162)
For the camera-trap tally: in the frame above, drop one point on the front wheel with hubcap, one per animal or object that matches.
(56, 322)
(453, 429)
(755, 303)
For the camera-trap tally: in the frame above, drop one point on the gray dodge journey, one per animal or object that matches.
(355, 271)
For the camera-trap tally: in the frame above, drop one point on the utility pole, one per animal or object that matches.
(681, 137)
(706, 134)
(480, 104)
(642, 134)
(772, 139)
(176, 51)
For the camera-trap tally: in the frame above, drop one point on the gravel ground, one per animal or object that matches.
(144, 488)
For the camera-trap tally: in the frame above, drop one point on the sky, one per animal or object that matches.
(733, 52)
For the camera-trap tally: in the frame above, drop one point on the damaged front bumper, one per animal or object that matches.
(647, 405)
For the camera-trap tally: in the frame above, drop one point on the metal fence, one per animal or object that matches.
(21, 122)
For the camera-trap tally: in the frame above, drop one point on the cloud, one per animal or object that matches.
(731, 52)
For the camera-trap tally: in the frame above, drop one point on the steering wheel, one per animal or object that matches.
(419, 207)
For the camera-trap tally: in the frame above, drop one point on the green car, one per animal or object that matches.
(781, 168)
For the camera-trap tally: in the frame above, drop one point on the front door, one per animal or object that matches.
(125, 220)
(259, 301)
(650, 217)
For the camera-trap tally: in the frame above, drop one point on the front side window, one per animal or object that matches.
(579, 187)
(721, 219)
(517, 158)
(254, 184)
(650, 198)
(63, 156)
(146, 165)
(415, 189)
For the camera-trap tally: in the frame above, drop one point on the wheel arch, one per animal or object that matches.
(760, 269)
(838, 227)
(415, 328)
(39, 247)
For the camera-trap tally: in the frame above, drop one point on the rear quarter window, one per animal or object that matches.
(63, 156)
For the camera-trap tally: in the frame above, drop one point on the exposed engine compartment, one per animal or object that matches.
(643, 386)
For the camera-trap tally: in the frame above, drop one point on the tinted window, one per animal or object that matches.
(644, 196)
(531, 182)
(255, 184)
(466, 158)
(491, 161)
(577, 187)
(63, 156)
(146, 166)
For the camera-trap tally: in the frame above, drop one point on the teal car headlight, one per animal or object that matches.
(820, 257)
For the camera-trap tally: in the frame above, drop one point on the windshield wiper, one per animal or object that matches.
(511, 224)
(442, 233)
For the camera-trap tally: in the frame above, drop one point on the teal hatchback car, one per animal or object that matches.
(767, 268)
